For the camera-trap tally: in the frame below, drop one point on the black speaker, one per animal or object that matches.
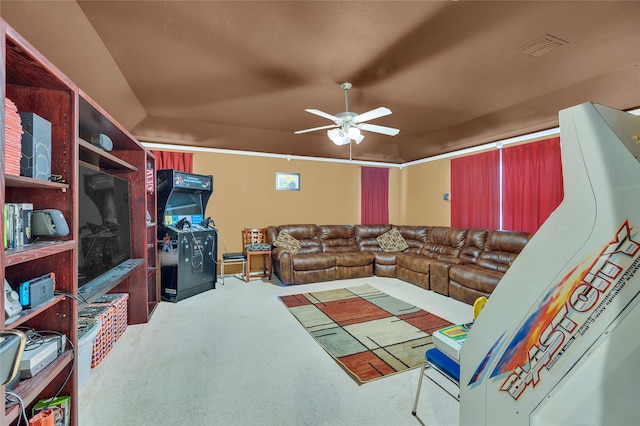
(36, 146)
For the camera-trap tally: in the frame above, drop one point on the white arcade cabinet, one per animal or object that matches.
(556, 343)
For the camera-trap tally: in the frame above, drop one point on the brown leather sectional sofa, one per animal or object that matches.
(461, 263)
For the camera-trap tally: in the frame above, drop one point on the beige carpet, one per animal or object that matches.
(236, 356)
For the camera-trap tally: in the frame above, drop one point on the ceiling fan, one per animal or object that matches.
(348, 124)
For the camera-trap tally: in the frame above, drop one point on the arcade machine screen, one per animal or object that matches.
(184, 205)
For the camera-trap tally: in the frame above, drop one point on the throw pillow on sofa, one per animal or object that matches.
(287, 242)
(392, 241)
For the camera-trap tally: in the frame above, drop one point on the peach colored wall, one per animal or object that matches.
(421, 191)
(244, 193)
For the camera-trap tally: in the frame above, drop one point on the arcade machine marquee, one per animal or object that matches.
(556, 343)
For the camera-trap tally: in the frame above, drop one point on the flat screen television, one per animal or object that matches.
(104, 223)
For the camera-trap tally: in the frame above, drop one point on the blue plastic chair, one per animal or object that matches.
(435, 359)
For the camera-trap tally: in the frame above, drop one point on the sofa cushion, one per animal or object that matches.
(415, 236)
(385, 258)
(337, 238)
(366, 236)
(392, 241)
(465, 294)
(354, 259)
(475, 277)
(313, 261)
(413, 262)
(287, 242)
(501, 249)
(473, 244)
(306, 234)
(444, 241)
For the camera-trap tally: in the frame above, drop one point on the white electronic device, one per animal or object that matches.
(34, 360)
(556, 342)
(12, 306)
(450, 340)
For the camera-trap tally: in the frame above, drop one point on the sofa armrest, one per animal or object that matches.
(439, 277)
(282, 264)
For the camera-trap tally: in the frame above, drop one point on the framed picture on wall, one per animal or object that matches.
(287, 181)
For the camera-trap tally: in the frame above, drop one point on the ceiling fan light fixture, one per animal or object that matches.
(354, 133)
(348, 124)
(335, 136)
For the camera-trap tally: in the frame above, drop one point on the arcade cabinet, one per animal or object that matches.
(188, 242)
(556, 343)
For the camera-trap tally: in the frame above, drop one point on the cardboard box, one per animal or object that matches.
(61, 407)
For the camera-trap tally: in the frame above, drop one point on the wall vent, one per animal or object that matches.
(543, 45)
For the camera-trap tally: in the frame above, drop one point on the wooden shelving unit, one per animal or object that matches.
(153, 276)
(127, 160)
(36, 85)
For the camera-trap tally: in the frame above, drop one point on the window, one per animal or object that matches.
(514, 188)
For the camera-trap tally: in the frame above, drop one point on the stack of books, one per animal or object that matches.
(17, 224)
(12, 138)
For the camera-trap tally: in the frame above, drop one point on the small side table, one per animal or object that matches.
(268, 268)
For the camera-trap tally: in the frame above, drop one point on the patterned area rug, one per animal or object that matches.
(370, 333)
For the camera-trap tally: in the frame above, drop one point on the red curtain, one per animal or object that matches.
(181, 161)
(475, 191)
(374, 195)
(532, 184)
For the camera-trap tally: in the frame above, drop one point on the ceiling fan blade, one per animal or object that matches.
(322, 114)
(370, 115)
(315, 128)
(379, 129)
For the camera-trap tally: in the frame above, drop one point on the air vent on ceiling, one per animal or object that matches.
(543, 45)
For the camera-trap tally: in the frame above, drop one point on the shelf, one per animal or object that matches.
(37, 250)
(152, 308)
(34, 84)
(27, 314)
(93, 155)
(29, 389)
(26, 67)
(110, 279)
(27, 182)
